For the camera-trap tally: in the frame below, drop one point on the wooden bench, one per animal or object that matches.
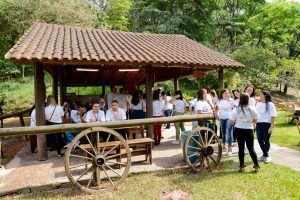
(134, 131)
(141, 146)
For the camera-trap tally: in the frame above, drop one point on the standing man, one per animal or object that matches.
(123, 100)
(111, 96)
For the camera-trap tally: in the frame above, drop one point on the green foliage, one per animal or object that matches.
(113, 14)
(259, 66)
(161, 16)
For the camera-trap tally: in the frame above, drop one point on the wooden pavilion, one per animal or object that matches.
(77, 56)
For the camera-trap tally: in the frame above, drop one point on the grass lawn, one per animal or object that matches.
(272, 182)
(285, 134)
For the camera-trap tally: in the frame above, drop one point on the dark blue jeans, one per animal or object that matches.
(168, 113)
(263, 137)
(226, 130)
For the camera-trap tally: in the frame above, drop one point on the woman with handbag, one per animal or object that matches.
(53, 116)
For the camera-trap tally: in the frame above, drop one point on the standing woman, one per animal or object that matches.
(244, 118)
(158, 108)
(53, 116)
(168, 110)
(202, 106)
(236, 96)
(137, 106)
(179, 108)
(251, 91)
(266, 113)
(225, 106)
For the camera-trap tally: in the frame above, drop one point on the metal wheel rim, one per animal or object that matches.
(82, 134)
(201, 163)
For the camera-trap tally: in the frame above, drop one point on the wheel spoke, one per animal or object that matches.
(210, 139)
(91, 178)
(113, 170)
(206, 137)
(109, 157)
(197, 141)
(213, 159)
(119, 163)
(83, 157)
(84, 150)
(195, 154)
(105, 144)
(112, 149)
(75, 166)
(208, 165)
(108, 176)
(194, 148)
(84, 173)
(91, 144)
(200, 136)
(98, 143)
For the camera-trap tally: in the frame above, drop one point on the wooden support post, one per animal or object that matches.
(40, 95)
(55, 86)
(103, 89)
(221, 78)
(21, 120)
(176, 85)
(149, 98)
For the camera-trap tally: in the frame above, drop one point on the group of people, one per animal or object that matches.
(239, 118)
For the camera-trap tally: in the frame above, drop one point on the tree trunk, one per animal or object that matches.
(285, 89)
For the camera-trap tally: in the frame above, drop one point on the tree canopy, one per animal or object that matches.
(263, 36)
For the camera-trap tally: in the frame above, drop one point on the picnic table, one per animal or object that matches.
(294, 113)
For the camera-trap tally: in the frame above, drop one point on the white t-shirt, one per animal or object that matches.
(168, 105)
(115, 116)
(95, 117)
(209, 98)
(144, 105)
(244, 120)
(123, 101)
(57, 114)
(139, 106)
(110, 97)
(129, 96)
(179, 105)
(192, 102)
(236, 102)
(101, 102)
(251, 102)
(225, 107)
(158, 107)
(75, 116)
(33, 119)
(264, 115)
(203, 106)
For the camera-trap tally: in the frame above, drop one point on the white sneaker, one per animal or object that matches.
(268, 159)
(262, 158)
(175, 142)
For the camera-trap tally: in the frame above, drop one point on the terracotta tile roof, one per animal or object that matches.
(58, 43)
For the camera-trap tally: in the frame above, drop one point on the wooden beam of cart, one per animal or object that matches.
(114, 124)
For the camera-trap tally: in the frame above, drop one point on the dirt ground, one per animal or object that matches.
(12, 145)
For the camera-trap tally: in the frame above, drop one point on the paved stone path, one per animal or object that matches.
(24, 171)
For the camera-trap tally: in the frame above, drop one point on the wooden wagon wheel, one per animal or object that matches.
(100, 164)
(202, 149)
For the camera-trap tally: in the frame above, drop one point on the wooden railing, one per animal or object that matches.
(18, 131)
(16, 114)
